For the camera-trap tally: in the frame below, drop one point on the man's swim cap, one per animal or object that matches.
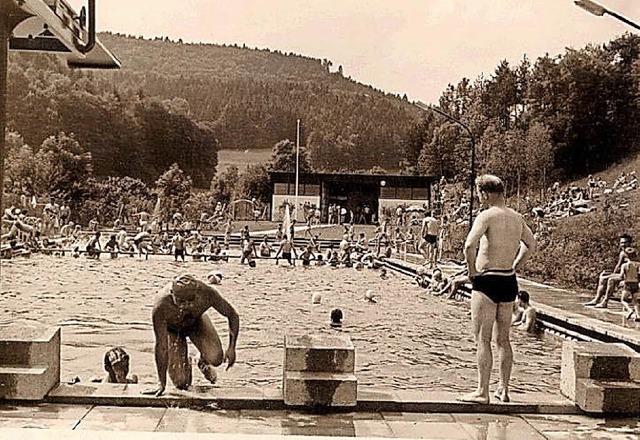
(316, 298)
(252, 263)
(184, 281)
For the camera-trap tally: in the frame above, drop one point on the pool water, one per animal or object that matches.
(408, 340)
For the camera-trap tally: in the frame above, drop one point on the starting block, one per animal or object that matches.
(600, 377)
(319, 371)
(29, 362)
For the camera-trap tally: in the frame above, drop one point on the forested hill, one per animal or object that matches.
(252, 99)
(545, 118)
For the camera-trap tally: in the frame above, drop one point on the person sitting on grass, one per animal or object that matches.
(526, 319)
(629, 272)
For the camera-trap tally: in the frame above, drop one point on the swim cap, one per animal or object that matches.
(184, 281)
(114, 356)
(316, 298)
(214, 277)
(370, 296)
(336, 316)
(252, 263)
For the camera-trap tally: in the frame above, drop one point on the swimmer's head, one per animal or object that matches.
(116, 363)
(370, 296)
(490, 184)
(336, 316)
(214, 277)
(523, 296)
(183, 289)
(316, 298)
(252, 263)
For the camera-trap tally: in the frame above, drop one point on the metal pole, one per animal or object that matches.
(622, 19)
(297, 166)
(5, 32)
(472, 179)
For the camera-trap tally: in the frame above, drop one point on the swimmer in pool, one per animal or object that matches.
(526, 320)
(116, 364)
(179, 312)
(498, 244)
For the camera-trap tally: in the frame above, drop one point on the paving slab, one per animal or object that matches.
(560, 427)
(118, 418)
(497, 426)
(42, 416)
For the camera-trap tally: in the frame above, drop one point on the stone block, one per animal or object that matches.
(321, 353)
(29, 362)
(608, 397)
(598, 361)
(319, 389)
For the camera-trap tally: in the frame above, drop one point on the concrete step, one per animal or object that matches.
(597, 361)
(318, 389)
(23, 383)
(608, 397)
(29, 362)
(31, 346)
(330, 354)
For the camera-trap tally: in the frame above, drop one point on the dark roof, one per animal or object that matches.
(390, 179)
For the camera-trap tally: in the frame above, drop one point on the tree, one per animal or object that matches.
(61, 167)
(254, 184)
(284, 158)
(173, 188)
(223, 186)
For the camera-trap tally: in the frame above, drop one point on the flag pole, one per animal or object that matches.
(297, 167)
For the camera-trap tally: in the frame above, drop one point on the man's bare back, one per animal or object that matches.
(498, 232)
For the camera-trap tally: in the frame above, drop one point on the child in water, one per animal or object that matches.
(116, 364)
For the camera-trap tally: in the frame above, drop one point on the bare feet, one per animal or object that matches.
(208, 371)
(474, 397)
(501, 395)
(591, 303)
(601, 305)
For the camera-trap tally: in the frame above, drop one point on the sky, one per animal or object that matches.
(416, 47)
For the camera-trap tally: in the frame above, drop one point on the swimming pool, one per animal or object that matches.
(409, 340)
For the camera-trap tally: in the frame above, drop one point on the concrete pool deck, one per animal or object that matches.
(71, 422)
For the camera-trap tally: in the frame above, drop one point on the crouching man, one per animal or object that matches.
(179, 313)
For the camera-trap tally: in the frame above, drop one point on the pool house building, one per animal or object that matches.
(380, 193)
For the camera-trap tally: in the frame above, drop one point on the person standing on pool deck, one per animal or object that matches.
(497, 245)
(179, 312)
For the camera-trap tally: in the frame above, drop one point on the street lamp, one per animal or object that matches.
(472, 182)
(599, 10)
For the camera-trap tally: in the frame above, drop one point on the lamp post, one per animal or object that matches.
(472, 180)
(599, 10)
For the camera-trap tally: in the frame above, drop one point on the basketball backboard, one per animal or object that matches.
(53, 26)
